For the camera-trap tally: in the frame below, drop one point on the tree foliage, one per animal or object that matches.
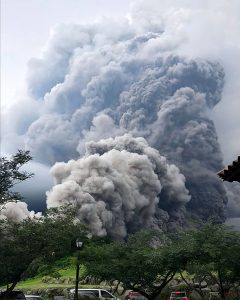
(215, 256)
(11, 174)
(146, 264)
(137, 263)
(24, 245)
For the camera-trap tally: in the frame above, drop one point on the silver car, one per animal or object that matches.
(93, 294)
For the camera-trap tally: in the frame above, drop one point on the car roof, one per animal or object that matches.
(86, 289)
(14, 292)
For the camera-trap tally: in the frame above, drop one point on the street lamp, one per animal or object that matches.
(79, 244)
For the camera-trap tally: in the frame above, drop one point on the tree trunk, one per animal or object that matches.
(169, 276)
(9, 289)
(222, 291)
(132, 287)
(191, 286)
(12, 286)
(115, 289)
(158, 291)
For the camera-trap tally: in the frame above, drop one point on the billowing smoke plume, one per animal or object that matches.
(16, 211)
(233, 194)
(104, 80)
(119, 186)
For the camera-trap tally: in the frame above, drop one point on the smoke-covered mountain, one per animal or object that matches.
(132, 116)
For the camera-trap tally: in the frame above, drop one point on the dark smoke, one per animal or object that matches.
(233, 194)
(105, 80)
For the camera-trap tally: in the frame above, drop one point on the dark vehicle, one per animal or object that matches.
(178, 296)
(13, 295)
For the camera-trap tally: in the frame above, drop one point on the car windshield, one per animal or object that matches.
(88, 293)
(105, 294)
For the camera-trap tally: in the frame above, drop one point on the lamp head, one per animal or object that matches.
(79, 243)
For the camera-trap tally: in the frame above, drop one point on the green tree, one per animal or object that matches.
(215, 255)
(24, 245)
(143, 263)
(11, 174)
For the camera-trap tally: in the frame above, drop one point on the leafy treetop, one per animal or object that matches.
(11, 174)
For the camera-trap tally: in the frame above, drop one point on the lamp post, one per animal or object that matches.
(78, 245)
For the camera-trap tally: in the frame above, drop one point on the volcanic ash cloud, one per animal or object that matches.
(119, 186)
(107, 79)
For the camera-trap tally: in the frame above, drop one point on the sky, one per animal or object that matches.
(25, 28)
(207, 29)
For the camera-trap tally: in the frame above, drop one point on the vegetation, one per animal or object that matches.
(146, 263)
(211, 253)
(29, 245)
(11, 174)
(136, 265)
(215, 257)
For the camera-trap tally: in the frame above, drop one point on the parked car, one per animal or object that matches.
(214, 296)
(33, 297)
(13, 295)
(178, 296)
(92, 294)
(135, 296)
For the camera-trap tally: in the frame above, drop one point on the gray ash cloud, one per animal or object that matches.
(119, 186)
(233, 194)
(105, 80)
